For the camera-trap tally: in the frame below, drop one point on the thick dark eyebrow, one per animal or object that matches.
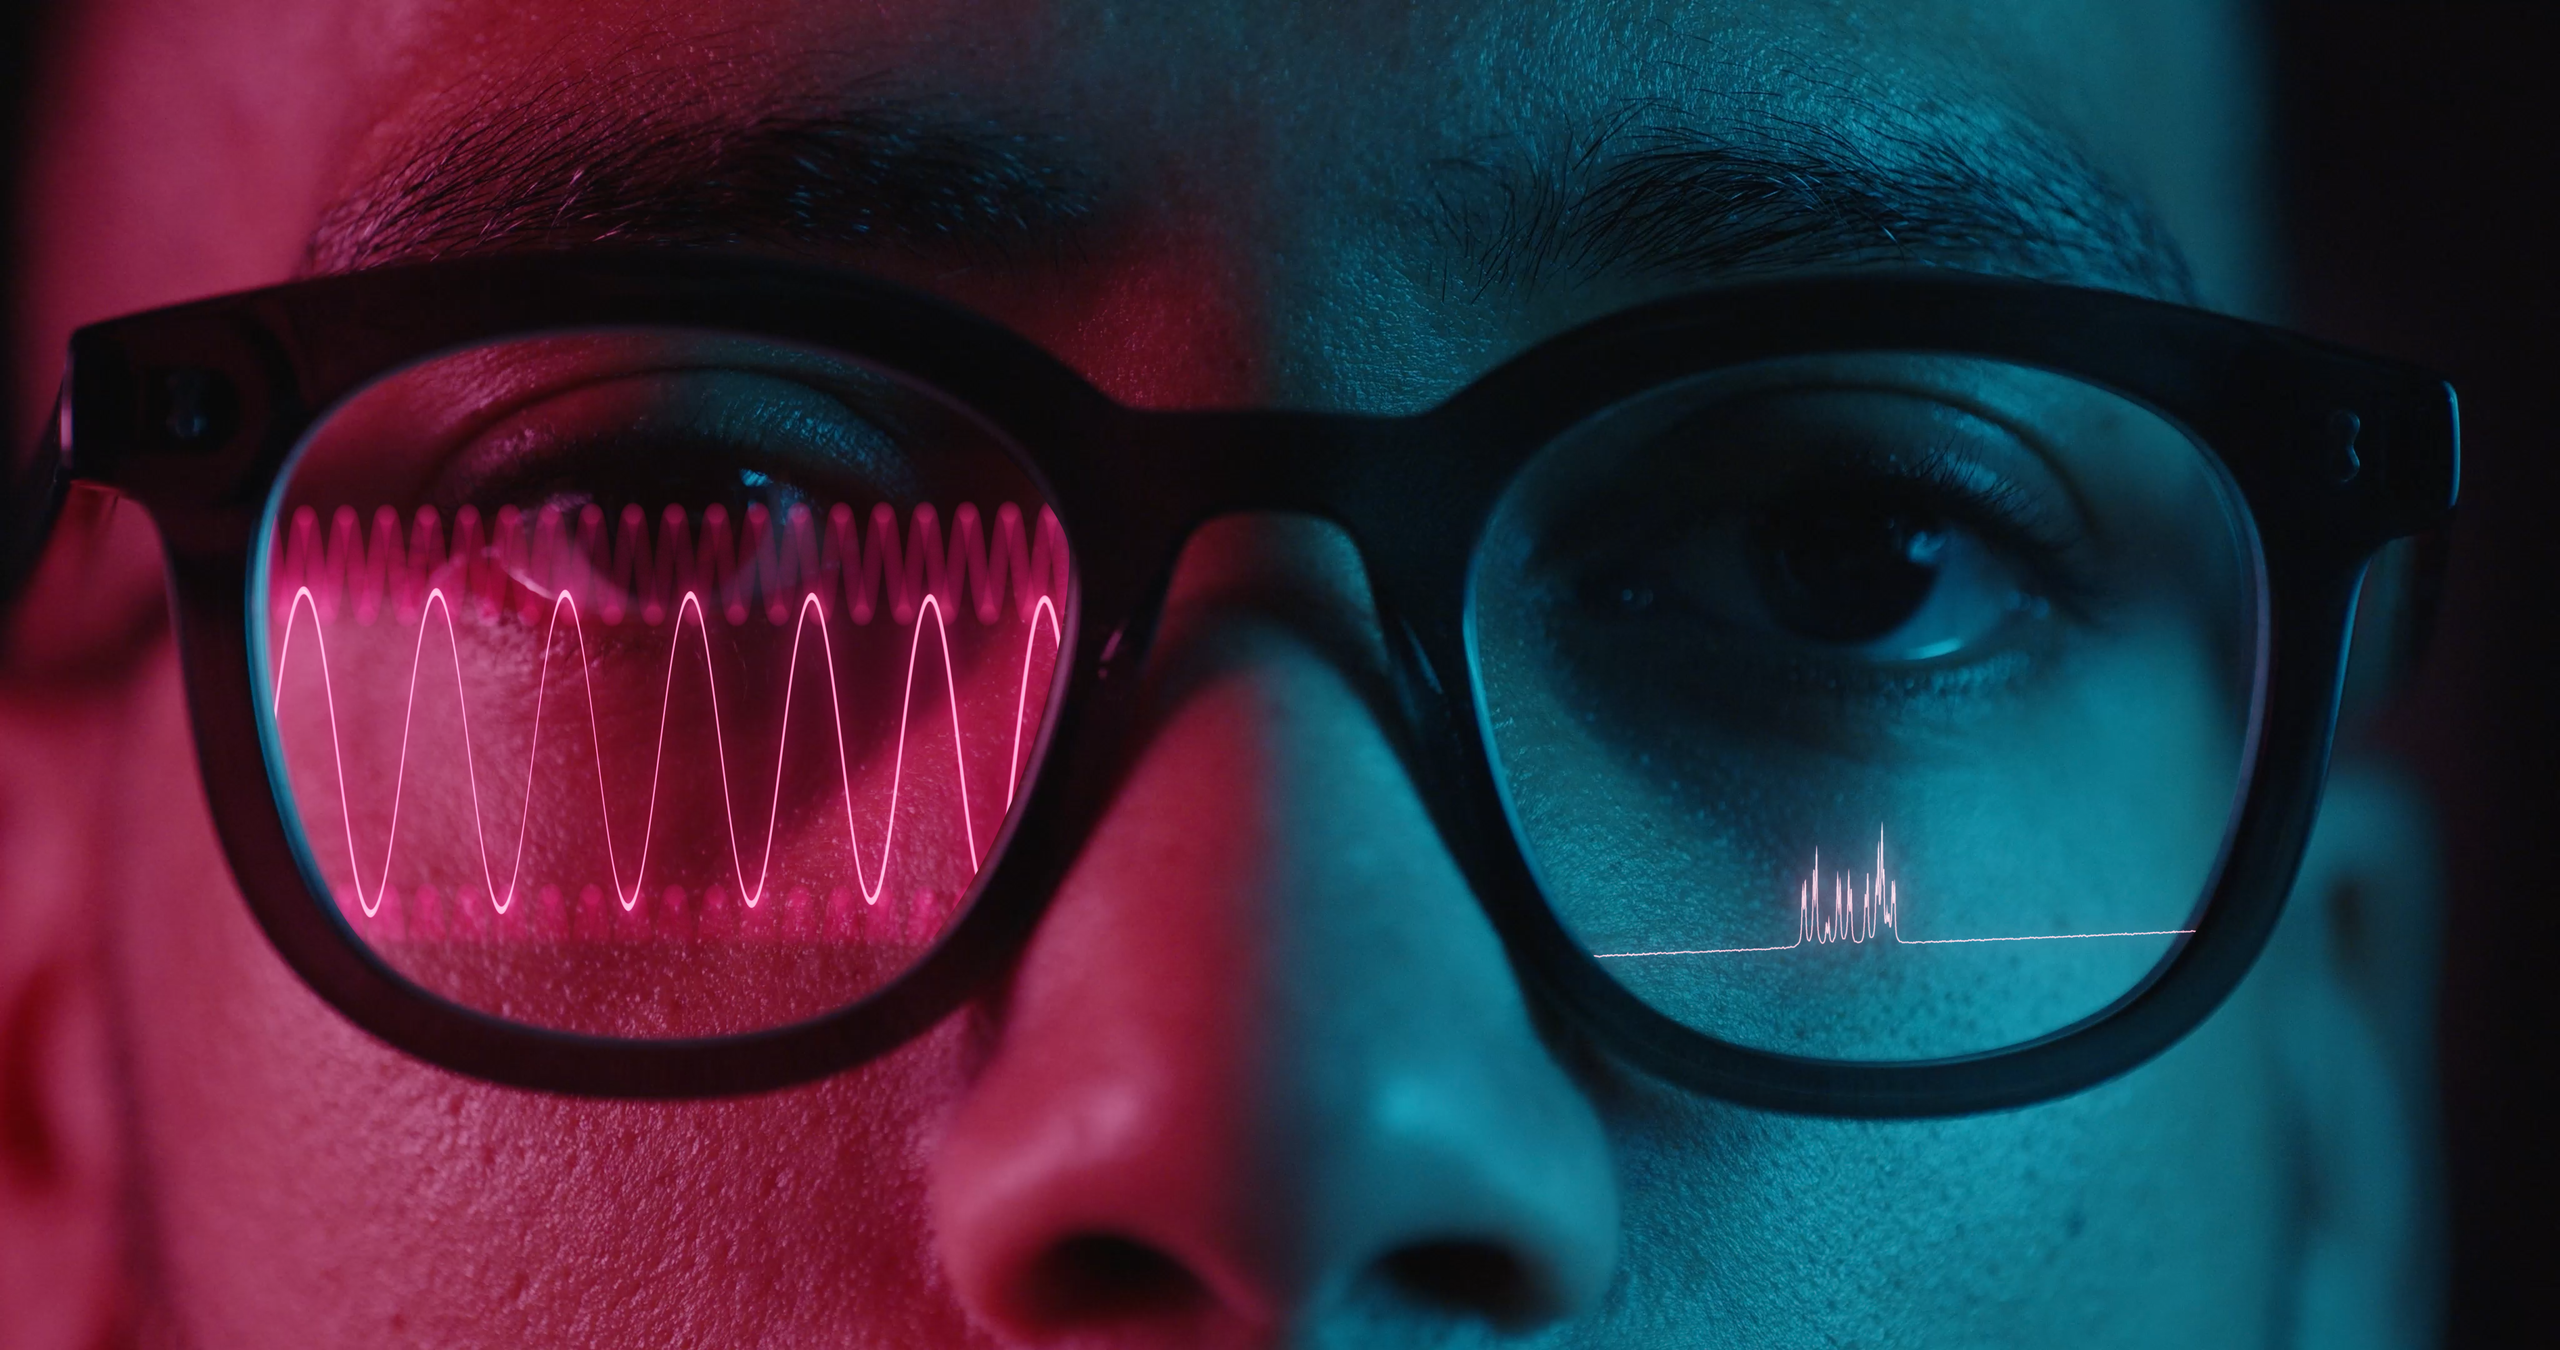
(537, 175)
(1647, 195)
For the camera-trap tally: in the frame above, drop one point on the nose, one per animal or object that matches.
(1264, 1073)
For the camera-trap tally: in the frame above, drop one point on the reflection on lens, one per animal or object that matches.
(657, 684)
(1872, 708)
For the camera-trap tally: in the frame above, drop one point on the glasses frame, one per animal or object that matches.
(194, 411)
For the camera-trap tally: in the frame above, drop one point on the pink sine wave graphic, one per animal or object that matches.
(633, 564)
(1858, 911)
(435, 610)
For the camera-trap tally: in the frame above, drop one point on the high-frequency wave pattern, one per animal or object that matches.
(436, 606)
(1857, 909)
(617, 566)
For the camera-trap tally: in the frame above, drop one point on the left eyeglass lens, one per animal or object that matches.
(654, 684)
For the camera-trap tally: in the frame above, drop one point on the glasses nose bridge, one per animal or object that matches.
(1373, 477)
(1201, 465)
(1365, 476)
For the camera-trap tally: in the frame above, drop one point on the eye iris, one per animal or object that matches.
(1847, 569)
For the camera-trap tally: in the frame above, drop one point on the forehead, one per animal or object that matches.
(1274, 109)
(1210, 76)
(1164, 72)
(1313, 159)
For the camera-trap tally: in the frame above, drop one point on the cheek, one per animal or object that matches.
(2152, 1210)
(301, 1174)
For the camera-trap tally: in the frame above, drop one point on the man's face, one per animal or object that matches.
(1264, 1074)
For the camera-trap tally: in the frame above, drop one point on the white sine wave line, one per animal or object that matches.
(1859, 913)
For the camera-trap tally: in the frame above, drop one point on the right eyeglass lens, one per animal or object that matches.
(654, 684)
(1872, 708)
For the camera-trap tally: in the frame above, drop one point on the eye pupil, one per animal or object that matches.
(1847, 569)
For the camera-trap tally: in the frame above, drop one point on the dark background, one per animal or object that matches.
(2419, 165)
(2419, 161)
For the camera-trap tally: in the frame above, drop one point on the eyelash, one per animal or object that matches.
(2050, 547)
(2046, 544)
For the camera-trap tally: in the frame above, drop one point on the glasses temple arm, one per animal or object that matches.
(31, 498)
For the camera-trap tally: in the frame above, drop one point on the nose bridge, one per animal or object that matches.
(1286, 516)
(1407, 1108)
(1265, 1035)
(1402, 499)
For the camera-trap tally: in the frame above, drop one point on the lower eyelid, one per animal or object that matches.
(1802, 697)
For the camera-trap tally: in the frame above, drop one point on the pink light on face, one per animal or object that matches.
(632, 864)
(1856, 910)
(620, 567)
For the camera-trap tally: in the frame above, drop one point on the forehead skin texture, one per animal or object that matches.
(1319, 141)
(1271, 207)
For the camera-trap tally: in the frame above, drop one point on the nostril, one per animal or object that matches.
(1099, 1278)
(1468, 1279)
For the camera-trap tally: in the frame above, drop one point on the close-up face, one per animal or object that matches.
(1844, 704)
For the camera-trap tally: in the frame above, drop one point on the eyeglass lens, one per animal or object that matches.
(1878, 707)
(653, 684)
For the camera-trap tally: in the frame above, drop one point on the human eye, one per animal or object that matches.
(609, 438)
(713, 434)
(1853, 546)
(1876, 565)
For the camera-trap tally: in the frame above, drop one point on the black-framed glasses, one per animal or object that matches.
(661, 676)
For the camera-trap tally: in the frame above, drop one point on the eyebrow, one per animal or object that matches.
(1647, 194)
(1651, 195)
(533, 176)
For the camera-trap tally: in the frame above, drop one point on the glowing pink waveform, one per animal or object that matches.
(512, 559)
(1857, 911)
(690, 616)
